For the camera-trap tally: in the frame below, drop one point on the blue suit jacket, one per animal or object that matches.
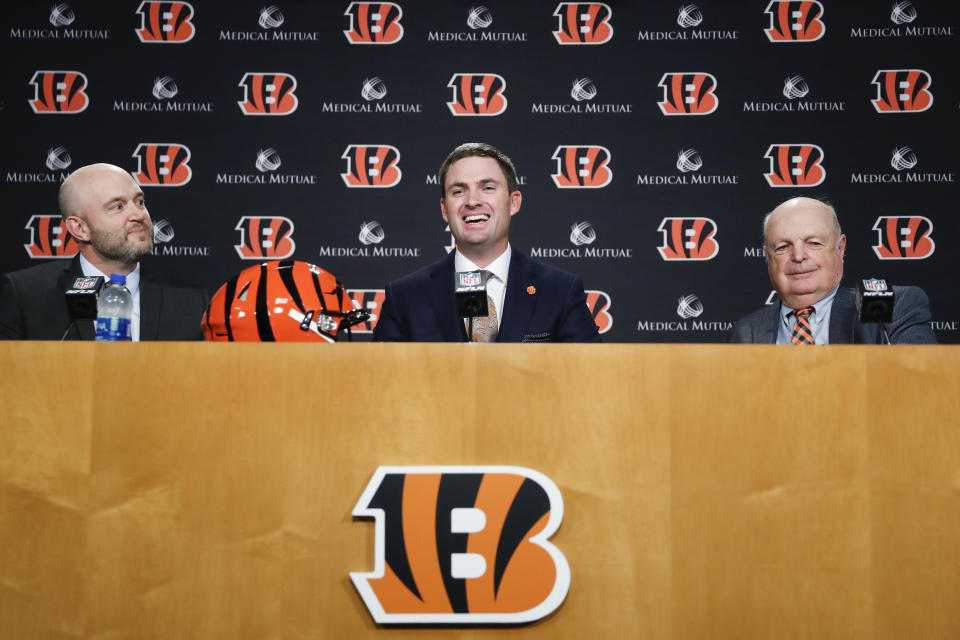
(910, 325)
(421, 307)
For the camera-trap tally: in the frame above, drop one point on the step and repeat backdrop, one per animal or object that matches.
(650, 138)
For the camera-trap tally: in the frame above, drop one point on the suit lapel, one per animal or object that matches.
(770, 326)
(843, 317)
(517, 303)
(444, 302)
(72, 271)
(151, 298)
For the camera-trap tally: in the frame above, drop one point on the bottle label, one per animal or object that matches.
(113, 329)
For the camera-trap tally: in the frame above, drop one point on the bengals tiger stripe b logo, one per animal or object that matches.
(795, 165)
(370, 300)
(49, 238)
(583, 23)
(59, 92)
(477, 94)
(581, 167)
(688, 239)
(599, 304)
(459, 545)
(902, 91)
(265, 237)
(165, 22)
(373, 23)
(371, 166)
(162, 164)
(903, 238)
(268, 94)
(688, 94)
(793, 21)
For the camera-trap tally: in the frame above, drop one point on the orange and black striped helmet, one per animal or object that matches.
(280, 301)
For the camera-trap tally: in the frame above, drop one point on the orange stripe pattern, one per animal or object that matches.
(802, 332)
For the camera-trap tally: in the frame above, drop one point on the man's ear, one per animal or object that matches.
(443, 210)
(516, 199)
(78, 228)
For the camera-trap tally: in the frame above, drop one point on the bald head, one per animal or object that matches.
(794, 205)
(74, 192)
(104, 209)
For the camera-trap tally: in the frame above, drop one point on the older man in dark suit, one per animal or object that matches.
(805, 247)
(528, 301)
(105, 210)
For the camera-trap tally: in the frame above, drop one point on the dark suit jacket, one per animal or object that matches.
(421, 307)
(910, 325)
(32, 305)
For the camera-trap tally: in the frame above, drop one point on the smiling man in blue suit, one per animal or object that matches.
(528, 301)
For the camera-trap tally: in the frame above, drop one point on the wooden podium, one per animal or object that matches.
(711, 491)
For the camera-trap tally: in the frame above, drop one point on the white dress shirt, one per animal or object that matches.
(133, 284)
(497, 272)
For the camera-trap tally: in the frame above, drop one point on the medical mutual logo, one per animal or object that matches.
(479, 20)
(904, 21)
(371, 238)
(267, 162)
(583, 236)
(583, 93)
(690, 19)
(689, 164)
(799, 97)
(907, 169)
(689, 309)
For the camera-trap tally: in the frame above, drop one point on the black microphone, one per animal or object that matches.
(875, 303)
(874, 300)
(471, 291)
(82, 299)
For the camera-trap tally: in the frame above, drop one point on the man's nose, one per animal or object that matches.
(139, 213)
(799, 253)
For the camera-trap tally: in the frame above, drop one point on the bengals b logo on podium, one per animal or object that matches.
(462, 545)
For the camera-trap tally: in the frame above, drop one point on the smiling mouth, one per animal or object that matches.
(476, 218)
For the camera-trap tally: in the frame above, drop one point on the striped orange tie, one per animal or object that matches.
(802, 332)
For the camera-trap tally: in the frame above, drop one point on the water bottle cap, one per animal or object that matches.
(118, 277)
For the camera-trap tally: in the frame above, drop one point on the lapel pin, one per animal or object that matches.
(531, 290)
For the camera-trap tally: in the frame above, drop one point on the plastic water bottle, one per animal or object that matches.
(114, 310)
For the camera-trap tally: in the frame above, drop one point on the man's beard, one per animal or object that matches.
(116, 246)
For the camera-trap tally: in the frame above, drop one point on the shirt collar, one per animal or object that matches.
(818, 307)
(133, 278)
(499, 267)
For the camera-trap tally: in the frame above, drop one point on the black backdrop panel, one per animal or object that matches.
(239, 117)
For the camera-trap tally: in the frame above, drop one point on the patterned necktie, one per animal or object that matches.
(802, 331)
(485, 327)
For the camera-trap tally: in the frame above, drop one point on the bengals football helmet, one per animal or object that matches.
(280, 301)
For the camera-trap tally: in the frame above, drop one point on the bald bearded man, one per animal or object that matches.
(104, 209)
